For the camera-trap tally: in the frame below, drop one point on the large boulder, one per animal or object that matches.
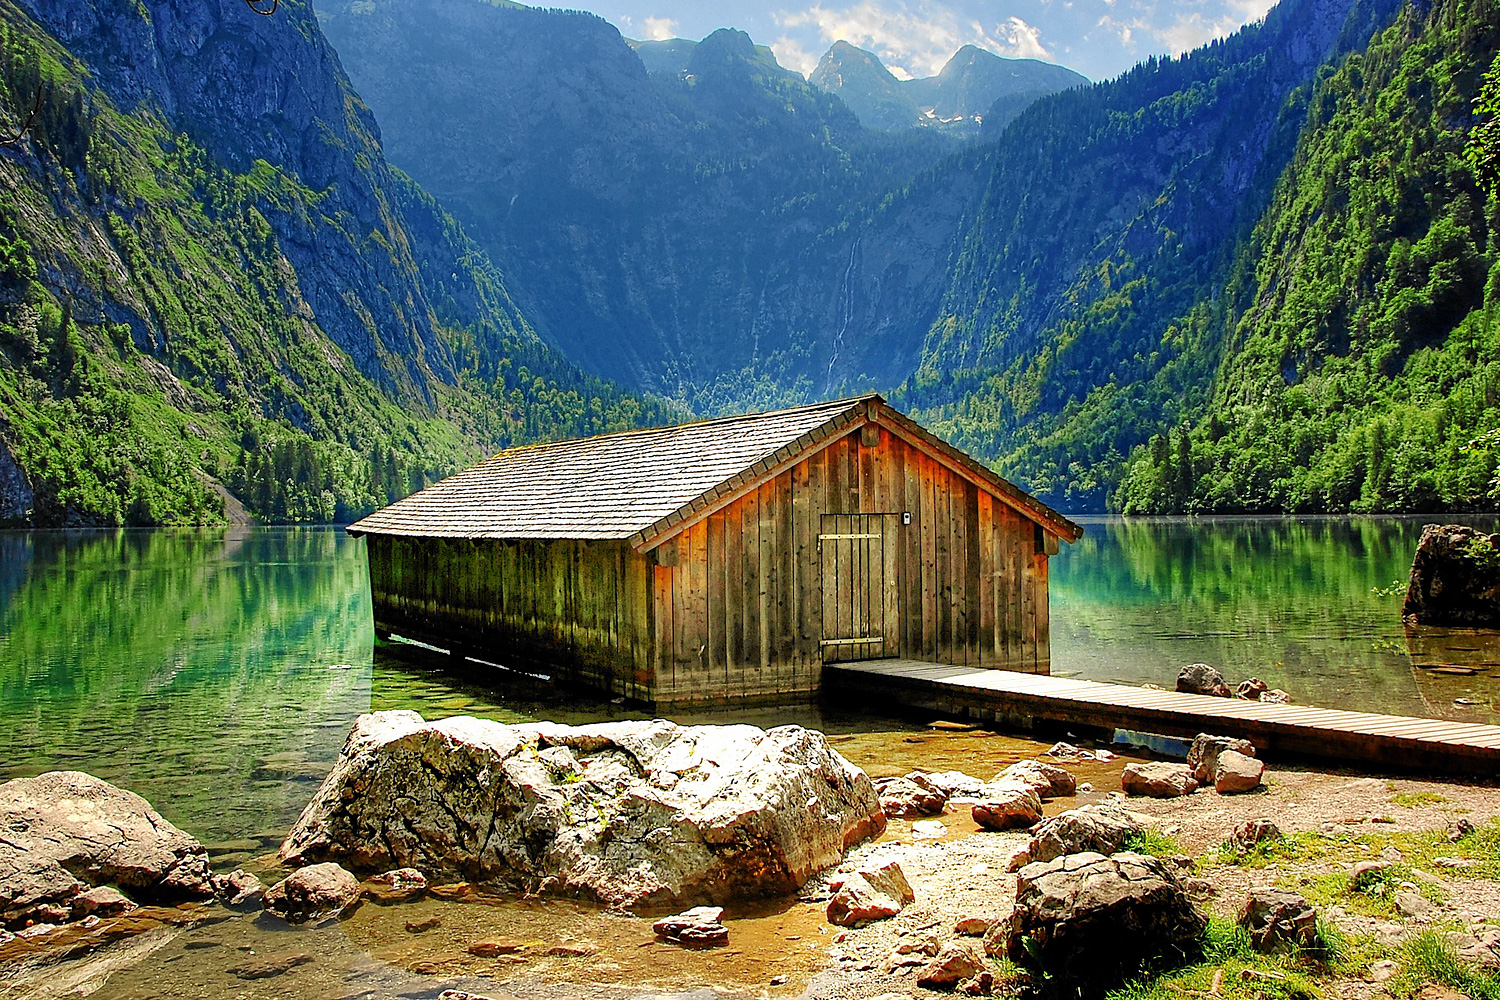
(1102, 827)
(1088, 922)
(629, 813)
(63, 832)
(1455, 578)
(1200, 678)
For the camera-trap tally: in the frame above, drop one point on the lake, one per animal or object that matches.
(217, 673)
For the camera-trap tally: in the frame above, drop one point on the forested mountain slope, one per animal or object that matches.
(1072, 324)
(664, 227)
(210, 276)
(1362, 322)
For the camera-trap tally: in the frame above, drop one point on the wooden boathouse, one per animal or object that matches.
(723, 560)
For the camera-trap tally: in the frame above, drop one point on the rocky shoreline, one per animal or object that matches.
(931, 903)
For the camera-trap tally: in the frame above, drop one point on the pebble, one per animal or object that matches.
(928, 829)
(1383, 970)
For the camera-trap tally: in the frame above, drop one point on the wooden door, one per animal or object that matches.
(861, 619)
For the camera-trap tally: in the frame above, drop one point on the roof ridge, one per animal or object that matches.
(831, 404)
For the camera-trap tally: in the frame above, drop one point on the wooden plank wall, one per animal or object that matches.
(580, 610)
(740, 614)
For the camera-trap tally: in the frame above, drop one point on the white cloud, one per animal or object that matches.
(914, 39)
(790, 53)
(1189, 31)
(659, 29)
(1022, 40)
(1125, 31)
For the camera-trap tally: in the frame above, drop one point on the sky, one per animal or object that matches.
(914, 38)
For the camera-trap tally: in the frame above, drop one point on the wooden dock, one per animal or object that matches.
(1023, 700)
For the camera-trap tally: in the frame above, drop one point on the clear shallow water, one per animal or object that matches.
(217, 673)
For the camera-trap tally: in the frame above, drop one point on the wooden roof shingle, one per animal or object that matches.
(646, 485)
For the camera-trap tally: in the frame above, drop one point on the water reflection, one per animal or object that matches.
(1306, 605)
(217, 673)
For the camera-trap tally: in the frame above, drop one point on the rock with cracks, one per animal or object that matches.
(1238, 773)
(1102, 827)
(699, 927)
(914, 795)
(66, 832)
(1007, 809)
(1088, 922)
(1203, 755)
(629, 813)
(1048, 780)
(1200, 678)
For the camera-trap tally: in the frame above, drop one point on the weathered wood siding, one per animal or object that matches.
(743, 606)
(580, 610)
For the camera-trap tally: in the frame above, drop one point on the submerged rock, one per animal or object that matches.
(66, 832)
(914, 795)
(317, 892)
(629, 813)
(1455, 578)
(699, 927)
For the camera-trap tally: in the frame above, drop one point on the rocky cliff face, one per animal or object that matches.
(250, 88)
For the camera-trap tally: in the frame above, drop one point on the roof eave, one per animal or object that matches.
(865, 410)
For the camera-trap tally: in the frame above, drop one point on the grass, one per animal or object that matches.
(1154, 843)
(1429, 958)
(1231, 968)
(1418, 850)
(1375, 896)
(1412, 800)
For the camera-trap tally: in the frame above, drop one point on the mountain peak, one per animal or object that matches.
(958, 99)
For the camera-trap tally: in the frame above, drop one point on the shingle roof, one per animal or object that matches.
(608, 486)
(645, 486)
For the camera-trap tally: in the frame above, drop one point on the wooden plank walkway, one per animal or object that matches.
(1021, 700)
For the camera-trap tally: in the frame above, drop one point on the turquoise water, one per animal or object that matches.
(217, 673)
(1309, 606)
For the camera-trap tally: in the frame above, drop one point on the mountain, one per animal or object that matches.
(862, 82)
(1361, 325)
(212, 281)
(1076, 321)
(647, 224)
(976, 91)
